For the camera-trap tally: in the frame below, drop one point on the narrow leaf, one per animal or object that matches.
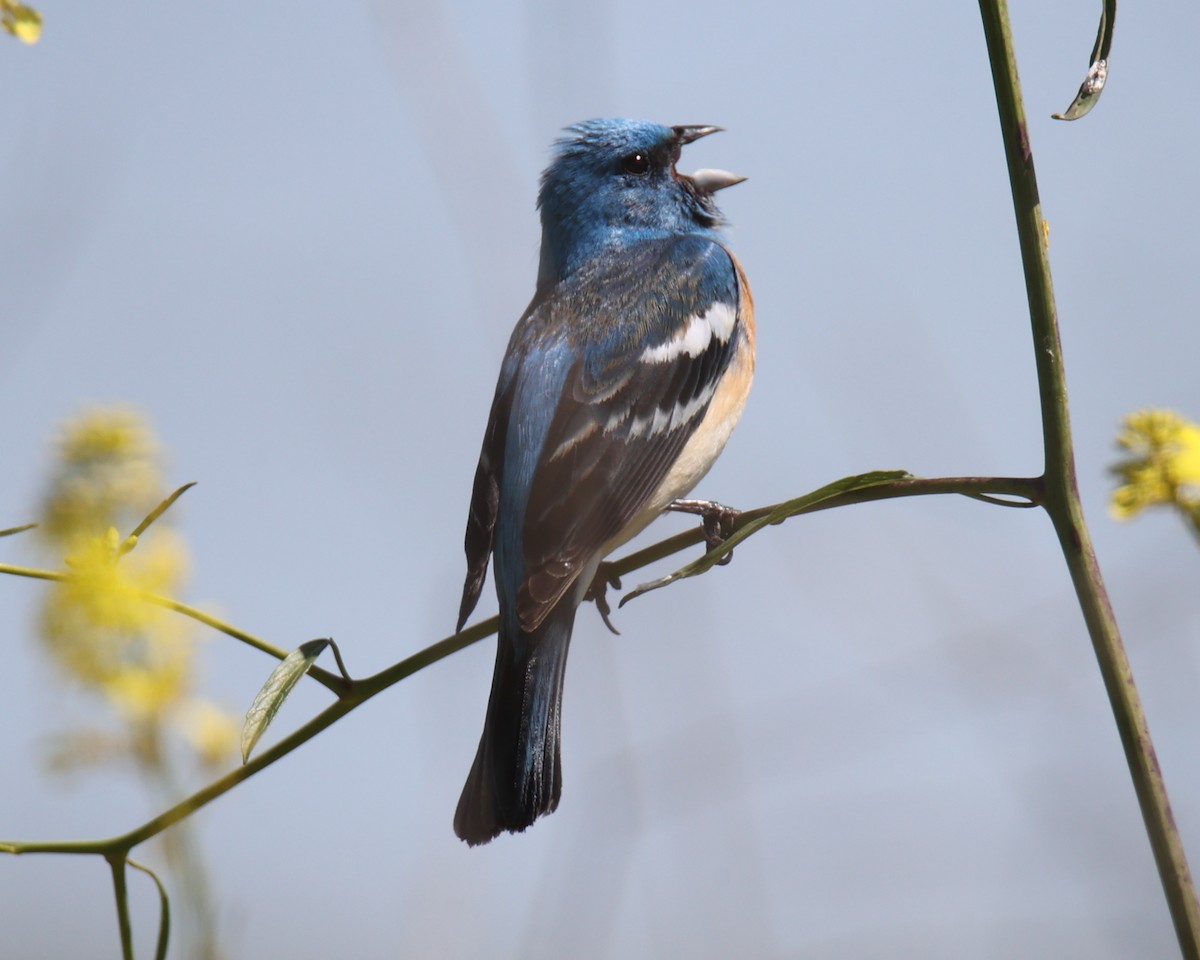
(164, 924)
(158, 512)
(279, 684)
(788, 508)
(11, 530)
(1093, 82)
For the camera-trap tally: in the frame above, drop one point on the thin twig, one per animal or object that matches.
(331, 680)
(1062, 492)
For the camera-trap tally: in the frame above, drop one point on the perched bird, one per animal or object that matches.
(621, 384)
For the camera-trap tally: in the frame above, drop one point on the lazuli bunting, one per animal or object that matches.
(621, 384)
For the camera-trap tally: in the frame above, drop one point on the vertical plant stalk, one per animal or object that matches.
(1062, 492)
(116, 862)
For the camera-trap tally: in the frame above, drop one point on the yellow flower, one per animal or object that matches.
(21, 21)
(96, 624)
(213, 733)
(1162, 466)
(107, 476)
(102, 633)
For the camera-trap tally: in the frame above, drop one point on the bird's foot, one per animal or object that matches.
(598, 592)
(717, 520)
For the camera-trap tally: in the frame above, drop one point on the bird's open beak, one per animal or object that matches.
(709, 181)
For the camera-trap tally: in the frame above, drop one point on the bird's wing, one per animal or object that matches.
(646, 342)
(485, 495)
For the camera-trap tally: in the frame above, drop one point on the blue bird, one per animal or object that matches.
(621, 384)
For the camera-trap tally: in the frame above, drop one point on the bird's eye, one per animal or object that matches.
(637, 163)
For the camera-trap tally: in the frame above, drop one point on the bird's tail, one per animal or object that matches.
(517, 774)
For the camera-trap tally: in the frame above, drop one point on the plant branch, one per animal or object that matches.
(353, 693)
(338, 684)
(331, 680)
(116, 862)
(1028, 490)
(1062, 493)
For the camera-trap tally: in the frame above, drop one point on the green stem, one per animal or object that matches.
(116, 861)
(334, 682)
(32, 572)
(360, 692)
(986, 489)
(331, 680)
(1062, 493)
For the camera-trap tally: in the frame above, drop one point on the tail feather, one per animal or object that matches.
(517, 773)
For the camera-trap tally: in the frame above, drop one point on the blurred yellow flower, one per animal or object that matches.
(23, 22)
(213, 733)
(102, 633)
(1162, 466)
(107, 475)
(96, 624)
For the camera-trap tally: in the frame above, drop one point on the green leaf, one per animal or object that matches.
(1093, 82)
(154, 515)
(279, 684)
(164, 923)
(789, 508)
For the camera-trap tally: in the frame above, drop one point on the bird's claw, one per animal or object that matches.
(598, 592)
(717, 520)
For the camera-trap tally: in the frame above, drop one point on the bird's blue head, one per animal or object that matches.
(613, 182)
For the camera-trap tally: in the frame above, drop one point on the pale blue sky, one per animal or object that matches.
(298, 235)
